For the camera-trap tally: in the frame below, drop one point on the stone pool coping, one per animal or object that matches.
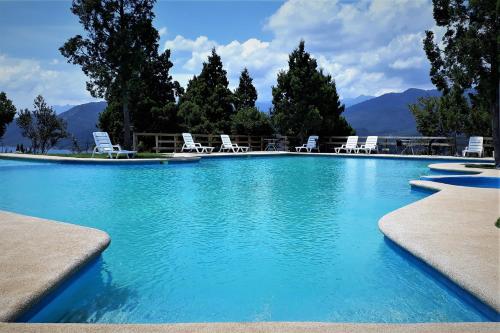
(453, 231)
(36, 255)
(461, 168)
(76, 160)
(383, 156)
(195, 157)
(269, 327)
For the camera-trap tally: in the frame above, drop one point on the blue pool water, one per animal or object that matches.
(250, 239)
(471, 181)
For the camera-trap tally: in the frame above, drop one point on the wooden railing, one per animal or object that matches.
(169, 142)
(172, 142)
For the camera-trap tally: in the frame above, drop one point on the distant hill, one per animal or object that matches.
(387, 114)
(356, 100)
(81, 121)
(62, 108)
(384, 115)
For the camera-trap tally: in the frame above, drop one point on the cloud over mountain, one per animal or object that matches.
(370, 47)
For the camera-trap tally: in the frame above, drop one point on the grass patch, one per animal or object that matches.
(497, 223)
(89, 155)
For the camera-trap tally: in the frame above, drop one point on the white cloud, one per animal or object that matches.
(23, 79)
(412, 62)
(370, 47)
(261, 60)
(162, 31)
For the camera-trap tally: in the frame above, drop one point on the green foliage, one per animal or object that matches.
(41, 126)
(206, 107)
(250, 121)
(153, 106)
(428, 117)
(449, 115)
(469, 57)
(7, 112)
(246, 94)
(305, 100)
(121, 45)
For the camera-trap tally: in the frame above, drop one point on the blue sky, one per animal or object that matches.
(370, 47)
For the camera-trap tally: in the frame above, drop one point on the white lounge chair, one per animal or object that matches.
(103, 145)
(475, 146)
(370, 144)
(229, 146)
(350, 146)
(312, 143)
(190, 145)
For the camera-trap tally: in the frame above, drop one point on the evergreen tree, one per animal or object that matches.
(153, 106)
(246, 94)
(7, 112)
(120, 39)
(305, 101)
(248, 120)
(206, 107)
(470, 55)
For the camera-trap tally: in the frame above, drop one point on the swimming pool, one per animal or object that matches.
(240, 239)
(471, 181)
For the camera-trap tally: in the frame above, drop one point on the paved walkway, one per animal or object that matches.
(36, 255)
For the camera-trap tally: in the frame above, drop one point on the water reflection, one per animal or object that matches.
(90, 296)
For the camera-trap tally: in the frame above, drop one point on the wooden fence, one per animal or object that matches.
(172, 142)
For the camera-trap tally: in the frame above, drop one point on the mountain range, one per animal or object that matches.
(387, 114)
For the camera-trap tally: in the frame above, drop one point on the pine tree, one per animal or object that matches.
(246, 94)
(248, 120)
(120, 38)
(153, 106)
(305, 101)
(206, 107)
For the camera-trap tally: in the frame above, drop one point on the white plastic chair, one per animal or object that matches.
(190, 145)
(475, 146)
(229, 146)
(370, 144)
(312, 143)
(350, 146)
(103, 145)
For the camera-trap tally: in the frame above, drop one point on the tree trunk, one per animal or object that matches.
(126, 122)
(495, 119)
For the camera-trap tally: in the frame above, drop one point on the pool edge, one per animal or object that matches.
(54, 252)
(428, 229)
(261, 327)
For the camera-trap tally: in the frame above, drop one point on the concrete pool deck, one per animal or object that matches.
(36, 255)
(271, 327)
(194, 157)
(382, 156)
(453, 231)
(77, 160)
